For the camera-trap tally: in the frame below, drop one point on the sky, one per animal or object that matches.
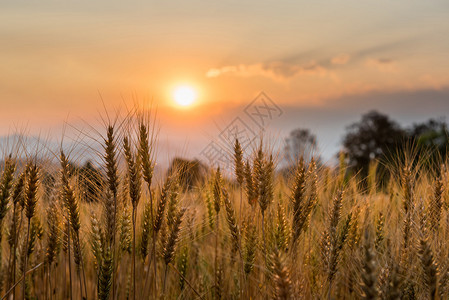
(322, 63)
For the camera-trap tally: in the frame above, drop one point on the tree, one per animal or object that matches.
(91, 182)
(190, 173)
(373, 137)
(299, 143)
(431, 137)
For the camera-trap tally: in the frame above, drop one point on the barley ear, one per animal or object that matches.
(281, 277)
(249, 184)
(436, 204)
(169, 249)
(53, 235)
(297, 198)
(369, 276)
(238, 162)
(217, 190)
(31, 190)
(145, 154)
(231, 220)
(6, 186)
(164, 194)
(428, 263)
(133, 173)
(250, 248)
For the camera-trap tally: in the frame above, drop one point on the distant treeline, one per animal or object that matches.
(377, 137)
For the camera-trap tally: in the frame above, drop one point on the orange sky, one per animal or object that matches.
(58, 57)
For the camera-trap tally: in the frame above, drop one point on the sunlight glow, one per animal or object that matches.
(184, 95)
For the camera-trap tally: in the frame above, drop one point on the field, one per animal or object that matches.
(316, 232)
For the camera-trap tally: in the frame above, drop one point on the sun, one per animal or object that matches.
(184, 95)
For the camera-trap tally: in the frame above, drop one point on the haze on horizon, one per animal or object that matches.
(324, 63)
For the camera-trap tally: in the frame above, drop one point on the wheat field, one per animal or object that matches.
(253, 233)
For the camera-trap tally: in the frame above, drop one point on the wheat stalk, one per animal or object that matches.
(334, 247)
(110, 158)
(18, 199)
(145, 152)
(30, 209)
(71, 203)
(134, 193)
(169, 248)
(53, 237)
(239, 168)
(6, 183)
(436, 204)
(281, 278)
(297, 199)
(5, 189)
(369, 271)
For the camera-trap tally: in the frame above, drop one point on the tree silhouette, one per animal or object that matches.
(91, 182)
(432, 137)
(373, 137)
(189, 172)
(299, 143)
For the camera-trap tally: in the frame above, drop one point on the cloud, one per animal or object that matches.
(277, 70)
(316, 62)
(341, 59)
(437, 82)
(382, 64)
(214, 72)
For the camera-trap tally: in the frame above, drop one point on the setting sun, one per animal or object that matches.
(184, 95)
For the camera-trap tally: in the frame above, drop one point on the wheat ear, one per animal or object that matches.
(30, 208)
(134, 193)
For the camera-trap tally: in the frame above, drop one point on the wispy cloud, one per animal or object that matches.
(382, 64)
(317, 62)
(341, 59)
(277, 70)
